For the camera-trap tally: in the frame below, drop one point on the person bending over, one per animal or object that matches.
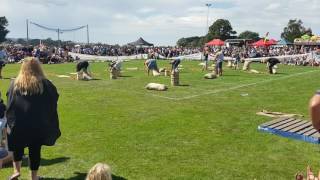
(151, 65)
(175, 64)
(32, 117)
(271, 63)
(82, 71)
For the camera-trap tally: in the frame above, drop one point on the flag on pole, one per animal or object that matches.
(266, 37)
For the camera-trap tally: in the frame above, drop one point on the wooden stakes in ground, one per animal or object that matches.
(175, 78)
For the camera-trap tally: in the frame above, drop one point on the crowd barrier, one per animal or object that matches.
(196, 56)
(107, 58)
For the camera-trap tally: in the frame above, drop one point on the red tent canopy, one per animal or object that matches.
(262, 42)
(215, 42)
(272, 42)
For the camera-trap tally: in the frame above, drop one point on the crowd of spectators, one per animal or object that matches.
(47, 54)
(307, 55)
(166, 52)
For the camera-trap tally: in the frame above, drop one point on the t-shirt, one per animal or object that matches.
(3, 55)
(317, 56)
(151, 64)
(220, 57)
(175, 63)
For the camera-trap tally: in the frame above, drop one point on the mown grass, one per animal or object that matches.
(174, 134)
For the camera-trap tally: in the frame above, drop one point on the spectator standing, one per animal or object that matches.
(32, 116)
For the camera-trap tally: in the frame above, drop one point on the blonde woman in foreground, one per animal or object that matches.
(100, 172)
(32, 116)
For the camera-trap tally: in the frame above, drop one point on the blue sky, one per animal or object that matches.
(161, 22)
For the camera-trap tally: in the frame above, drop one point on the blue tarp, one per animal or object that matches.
(283, 42)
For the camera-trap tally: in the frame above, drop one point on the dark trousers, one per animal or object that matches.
(34, 156)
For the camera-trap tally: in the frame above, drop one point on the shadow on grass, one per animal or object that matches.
(126, 76)
(279, 73)
(82, 176)
(44, 162)
(230, 75)
(183, 85)
(49, 162)
(6, 78)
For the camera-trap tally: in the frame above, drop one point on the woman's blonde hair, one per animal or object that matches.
(100, 172)
(29, 80)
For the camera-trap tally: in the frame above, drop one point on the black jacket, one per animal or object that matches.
(33, 119)
(2, 108)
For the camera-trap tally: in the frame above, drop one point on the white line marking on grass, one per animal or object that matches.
(165, 97)
(235, 87)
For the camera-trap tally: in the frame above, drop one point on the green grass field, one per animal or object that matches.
(205, 129)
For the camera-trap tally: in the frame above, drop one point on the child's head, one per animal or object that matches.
(100, 172)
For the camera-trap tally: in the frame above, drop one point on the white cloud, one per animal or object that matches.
(273, 6)
(146, 10)
(159, 21)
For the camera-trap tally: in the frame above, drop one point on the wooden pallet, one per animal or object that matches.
(292, 128)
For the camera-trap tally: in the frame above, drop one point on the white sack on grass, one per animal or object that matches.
(132, 69)
(274, 69)
(246, 65)
(86, 77)
(156, 86)
(155, 73)
(63, 76)
(254, 71)
(210, 76)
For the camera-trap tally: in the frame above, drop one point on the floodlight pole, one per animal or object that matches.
(87, 34)
(59, 37)
(27, 23)
(208, 13)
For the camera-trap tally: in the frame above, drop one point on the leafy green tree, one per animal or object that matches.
(3, 28)
(220, 29)
(189, 42)
(249, 35)
(294, 29)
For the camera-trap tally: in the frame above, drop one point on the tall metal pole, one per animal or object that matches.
(59, 36)
(208, 13)
(87, 34)
(27, 22)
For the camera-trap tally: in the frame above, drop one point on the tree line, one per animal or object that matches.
(222, 29)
